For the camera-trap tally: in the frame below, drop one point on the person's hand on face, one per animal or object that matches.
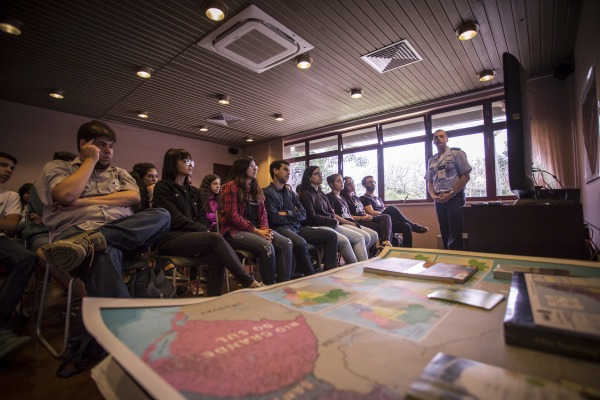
(89, 151)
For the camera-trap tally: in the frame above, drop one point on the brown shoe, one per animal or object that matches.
(256, 284)
(416, 228)
(69, 253)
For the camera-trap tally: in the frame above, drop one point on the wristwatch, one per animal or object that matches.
(452, 193)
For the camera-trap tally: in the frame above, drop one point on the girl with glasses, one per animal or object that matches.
(188, 237)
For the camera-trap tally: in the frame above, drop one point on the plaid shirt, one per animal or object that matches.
(232, 218)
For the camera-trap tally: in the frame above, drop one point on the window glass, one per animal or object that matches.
(473, 146)
(498, 111)
(323, 145)
(501, 163)
(404, 172)
(294, 150)
(296, 171)
(328, 166)
(361, 137)
(360, 164)
(404, 129)
(458, 119)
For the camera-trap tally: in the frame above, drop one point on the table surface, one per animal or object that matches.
(343, 330)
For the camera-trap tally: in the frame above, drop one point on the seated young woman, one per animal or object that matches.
(381, 223)
(320, 213)
(244, 224)
(342, 211)
(210, 188)
(188, 237)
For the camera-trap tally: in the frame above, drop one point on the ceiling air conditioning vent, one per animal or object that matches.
(255, 40)
(224, 119)
(394, 56)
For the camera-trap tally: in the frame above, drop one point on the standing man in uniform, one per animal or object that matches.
(447, 175)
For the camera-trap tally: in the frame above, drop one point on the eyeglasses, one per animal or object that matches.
(317, 174)
(188, 162)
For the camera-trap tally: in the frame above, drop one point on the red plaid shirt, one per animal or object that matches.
(231, 218)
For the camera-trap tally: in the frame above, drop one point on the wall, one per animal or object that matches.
(33, 134)
(587, 52)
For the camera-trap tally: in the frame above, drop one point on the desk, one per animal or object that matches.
(543, 230)
(343, 331)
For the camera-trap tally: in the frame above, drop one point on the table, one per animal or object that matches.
(341, 331)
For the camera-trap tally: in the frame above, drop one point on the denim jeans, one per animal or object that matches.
(358, 251)
(450, 218)
(313, 236)
(371, 236)
(219, 255)
(129, 234)
(20, 263)
(274, 258)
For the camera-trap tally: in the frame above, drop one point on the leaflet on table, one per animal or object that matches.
(569, 303)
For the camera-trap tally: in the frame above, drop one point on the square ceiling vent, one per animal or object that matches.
(394, 56)
(255, 40)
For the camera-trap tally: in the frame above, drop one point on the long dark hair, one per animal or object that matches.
(23, 190)
(205, 192)
(305, 183)
(251, 192)
(172, 157)
(346, 193)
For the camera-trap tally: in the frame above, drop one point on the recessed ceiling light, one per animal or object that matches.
(249, 139)
(57, 94)
(356, 93)
(222, 99)
(144, 72)
(486, 75)
(11, 26)
(143, 114)
(278, 117)
(215, 10)
(467, 31)
(304, 61)
(203, 128)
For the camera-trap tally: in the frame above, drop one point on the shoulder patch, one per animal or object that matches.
(455, 148)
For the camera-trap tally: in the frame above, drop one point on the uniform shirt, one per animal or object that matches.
(9, 204)
(58, 217)
(453, 162)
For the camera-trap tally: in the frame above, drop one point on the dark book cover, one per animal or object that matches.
(520, 328)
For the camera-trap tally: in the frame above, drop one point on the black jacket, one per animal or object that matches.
(318, 210)
(183, 203)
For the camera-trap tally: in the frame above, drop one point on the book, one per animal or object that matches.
(556, 314)
(471, 297)
(450, 377)
(409, 268)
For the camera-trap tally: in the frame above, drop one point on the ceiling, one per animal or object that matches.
(90, 50)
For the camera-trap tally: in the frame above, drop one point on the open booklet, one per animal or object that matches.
(409, 268)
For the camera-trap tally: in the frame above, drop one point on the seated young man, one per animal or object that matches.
(16, 259)
(88, 211)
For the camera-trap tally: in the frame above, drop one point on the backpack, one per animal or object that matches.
(151, 282)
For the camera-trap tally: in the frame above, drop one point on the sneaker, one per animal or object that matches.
(10, 342)
(256, 284)
(180, 279)
(197, 289)
(69, 253)
(416, 228)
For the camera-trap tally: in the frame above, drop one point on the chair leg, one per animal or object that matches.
(38, 328)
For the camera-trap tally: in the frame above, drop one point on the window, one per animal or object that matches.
(457, 119)
(296, 171)
(360, 164)
(294, 150)
(404, 172)
(396, 153)
(323, 145)
(404, 129)
(360, 138)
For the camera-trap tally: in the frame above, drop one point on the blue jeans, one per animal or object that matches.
(316, 236)
(450, 218)
(20, 263)
(274, 258)
(129, 234)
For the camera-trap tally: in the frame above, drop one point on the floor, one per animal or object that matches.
(30, 373)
